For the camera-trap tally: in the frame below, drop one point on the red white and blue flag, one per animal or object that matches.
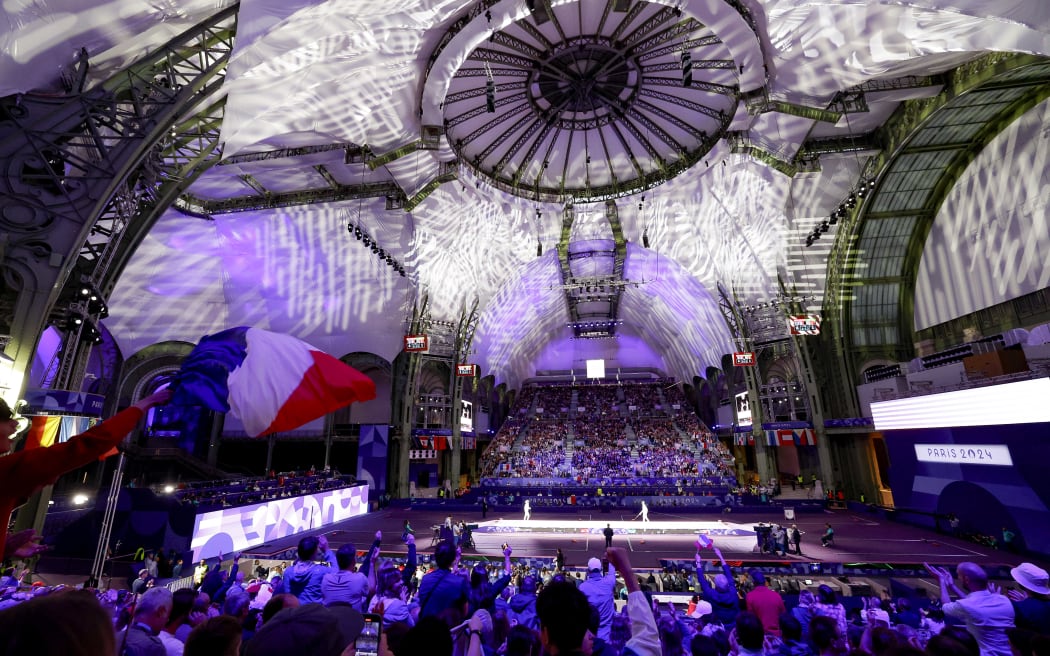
(805, 437)
(271, 382)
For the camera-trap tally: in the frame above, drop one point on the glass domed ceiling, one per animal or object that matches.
(588, 102)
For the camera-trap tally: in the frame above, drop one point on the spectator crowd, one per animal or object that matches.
(329, 602)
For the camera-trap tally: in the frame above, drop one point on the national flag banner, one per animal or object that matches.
(503, 467)
(48, 430)
(771, 438)
(740, 439)
(470, 442)
(805, 437)
(270, 381)
(441, 442)
(425, 442)
(785, 437)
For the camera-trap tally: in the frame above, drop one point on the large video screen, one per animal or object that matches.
(235, 529)
(1023, 402)
(990, 477)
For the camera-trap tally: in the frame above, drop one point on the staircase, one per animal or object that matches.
(204, 470)
(570, 446)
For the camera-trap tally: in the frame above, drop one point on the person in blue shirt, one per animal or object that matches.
(723, 597)
(442, 588)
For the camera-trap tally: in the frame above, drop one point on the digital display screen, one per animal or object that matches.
(229, 530)
(743, 409)
(805, 324)
(416, 343)
(596, 368)
(1023, 402)
(743, 359)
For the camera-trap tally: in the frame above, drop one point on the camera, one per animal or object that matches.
(503, 547)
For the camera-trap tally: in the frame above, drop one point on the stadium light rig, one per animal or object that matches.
(865, 187)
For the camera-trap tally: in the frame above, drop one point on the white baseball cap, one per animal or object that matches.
(594, 565)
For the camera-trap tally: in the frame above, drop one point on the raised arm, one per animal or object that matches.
(372, 552)
(503, 581)
(645, 640)
(410, 566)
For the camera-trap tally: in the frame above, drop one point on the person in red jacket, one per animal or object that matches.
(28, 471)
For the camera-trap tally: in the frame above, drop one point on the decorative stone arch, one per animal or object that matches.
(871, 364)
(364, 361)
(141, 371)
(434, 378)
(784, 369)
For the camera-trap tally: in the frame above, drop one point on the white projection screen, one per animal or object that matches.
(596, 368)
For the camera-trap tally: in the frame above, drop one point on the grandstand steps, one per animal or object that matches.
(570, 446)
(140, 457)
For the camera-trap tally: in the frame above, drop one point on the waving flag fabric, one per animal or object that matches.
(271, 382)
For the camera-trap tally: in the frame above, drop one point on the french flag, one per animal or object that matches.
(271, 382)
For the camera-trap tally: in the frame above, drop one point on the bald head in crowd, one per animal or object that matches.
(972, 576)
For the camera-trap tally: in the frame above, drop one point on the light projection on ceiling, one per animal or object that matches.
(991, 231)
(572, 100)
(358, 72)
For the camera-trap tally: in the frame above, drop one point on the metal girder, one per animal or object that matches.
(351, 151)
(533, 128)
(496, 72)
(655, 128)
(678, 47)
(630, 153)
(514, 43)
(889, 84)
(698, 64)
(568, 216)
(535, 34)
(683, 102)
(642, 139)
(763, 105)
(609, 4)
(497, 142)
(710, 87)
(620, 258)
(291, 198)
(632, 13)
(181, 161)
(686, 26)
(480, 91)
(255, 185)
(396, 154)
(853, 144)
(491, 125)
(549, 10)
(653, 22)
(323, 171)
(448, 173)
(698, 134)
(482, 109)
(547, 127)
(500, 57)
(81, 171)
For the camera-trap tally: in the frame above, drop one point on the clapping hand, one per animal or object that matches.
(941, 573)
(1016, 595)
(24, 544)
